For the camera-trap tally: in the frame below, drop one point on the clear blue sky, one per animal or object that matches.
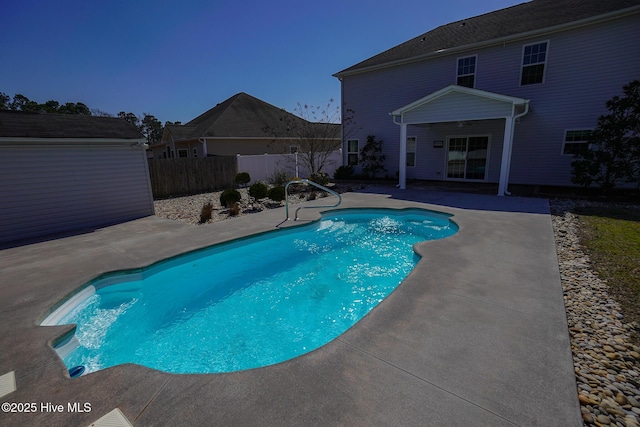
(176, 60)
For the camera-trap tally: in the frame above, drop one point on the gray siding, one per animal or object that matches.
(586, 66)
(50, 189)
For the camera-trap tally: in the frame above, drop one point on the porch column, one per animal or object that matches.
(403, 157)
(204, 147)
(505, 165)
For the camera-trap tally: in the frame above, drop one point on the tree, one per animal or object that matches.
(74, 108)
(613, 154)
(151, 128)
(4, 101)
(371, 159)
(131, 118)
(316, 133)
(99, 113)
(51, 106)
(22, 103)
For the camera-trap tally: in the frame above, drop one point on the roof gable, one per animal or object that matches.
(244, 116)
(240, 116)
(535, 15)
(18, 124)
(458, 103)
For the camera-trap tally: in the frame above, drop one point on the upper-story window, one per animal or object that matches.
(534, 59)
(467, 71)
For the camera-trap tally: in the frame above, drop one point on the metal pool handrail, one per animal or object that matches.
(315, 184)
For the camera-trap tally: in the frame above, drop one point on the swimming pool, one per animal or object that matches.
(247, 303)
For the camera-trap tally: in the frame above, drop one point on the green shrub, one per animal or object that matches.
(312, 196)
(344, 172)
(205, 213)
(321, 178)
(258, 190)
(229, 197)
(276, 193)
(243, 178)
(371, 158)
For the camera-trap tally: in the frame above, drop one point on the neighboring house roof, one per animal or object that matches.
(19, 124)
(241, 116)
(523, 19)
(181, 132)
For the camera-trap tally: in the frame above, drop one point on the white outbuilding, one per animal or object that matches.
(63, 172)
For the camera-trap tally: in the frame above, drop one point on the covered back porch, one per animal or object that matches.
(462, 106)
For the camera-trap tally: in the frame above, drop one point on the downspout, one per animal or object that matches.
(402, 167)
(513, 125)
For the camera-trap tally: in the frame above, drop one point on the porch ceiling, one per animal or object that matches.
(458, 103)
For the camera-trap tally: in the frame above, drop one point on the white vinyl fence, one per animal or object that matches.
(262, 167)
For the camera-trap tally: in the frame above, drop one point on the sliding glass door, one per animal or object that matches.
(467, 157)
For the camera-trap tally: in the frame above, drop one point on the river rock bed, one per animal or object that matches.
(606, 362)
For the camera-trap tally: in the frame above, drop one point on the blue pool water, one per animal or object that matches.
(251, 302)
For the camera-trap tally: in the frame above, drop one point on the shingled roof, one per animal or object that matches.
(18, 124)
(241, 116)
(519, 20)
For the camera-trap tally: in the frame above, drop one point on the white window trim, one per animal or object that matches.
(564, 139)
(546, 62)
(475, 73)
(415, 152)
(357, 152)
(488, 160)
(186, 152)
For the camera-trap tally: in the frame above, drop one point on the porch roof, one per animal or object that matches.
(458, 103)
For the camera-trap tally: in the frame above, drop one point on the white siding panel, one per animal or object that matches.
(51, 189)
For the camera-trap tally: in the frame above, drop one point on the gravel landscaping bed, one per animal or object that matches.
(606, 362)
(187, 209)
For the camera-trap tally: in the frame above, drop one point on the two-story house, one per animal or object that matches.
(505, 97)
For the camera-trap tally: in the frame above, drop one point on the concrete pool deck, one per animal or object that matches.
(475, 336)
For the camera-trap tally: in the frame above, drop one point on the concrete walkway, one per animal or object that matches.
(475, 336)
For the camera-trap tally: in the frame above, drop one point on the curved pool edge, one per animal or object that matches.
(67, 303)
(66, 343)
